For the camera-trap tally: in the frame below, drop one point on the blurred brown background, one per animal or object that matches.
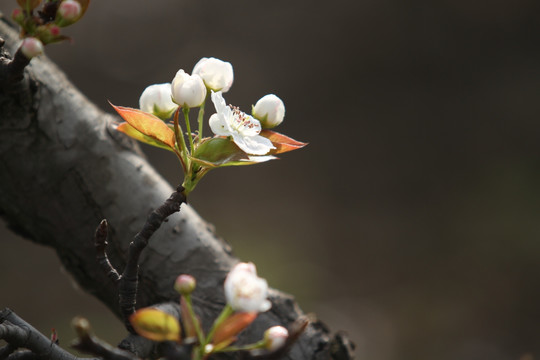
(411, 219)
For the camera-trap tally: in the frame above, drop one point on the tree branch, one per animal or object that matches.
(63, 168)
(19, 334)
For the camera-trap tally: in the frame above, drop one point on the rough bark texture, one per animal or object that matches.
(63, 168)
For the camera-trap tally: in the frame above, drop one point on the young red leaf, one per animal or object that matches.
(147, 124)
(139, 136)
(187, 320)
(282, 142)
(233, 326)
(155, 325)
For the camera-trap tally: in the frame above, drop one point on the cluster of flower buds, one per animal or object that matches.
(239, 138)
(246, 295)
(42, 26)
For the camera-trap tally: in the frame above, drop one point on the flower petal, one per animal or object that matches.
(220, 104)
(253, 145)
(219, 126)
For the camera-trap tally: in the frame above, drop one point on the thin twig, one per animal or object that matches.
(128, 281)
(90, 344)
(100, 242)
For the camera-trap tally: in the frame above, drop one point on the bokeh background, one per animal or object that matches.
(411, 220)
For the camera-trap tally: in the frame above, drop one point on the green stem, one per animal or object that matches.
(225, 313)
(257, 345)
(188, 129)
(194, 319)
(180, 140)
(200, 118)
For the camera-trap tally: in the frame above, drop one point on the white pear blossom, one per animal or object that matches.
(275, 337)
(217, 75)
(243, 128)
(31, 47)
(156, 99)
(188, 90)
(269, 110)
(245, 291)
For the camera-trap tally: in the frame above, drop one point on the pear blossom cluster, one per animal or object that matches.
(41, 25)
(238, 138)
(246, 296)
(216, 76)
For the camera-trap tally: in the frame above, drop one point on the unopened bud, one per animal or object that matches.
(217, 74)
(156, 99)
(48, 33)
(69, 11)
(81, 326)
(269, 110)
(275, 337)
(18, 16)
(31, 47)
(188, 90)
(185, 284)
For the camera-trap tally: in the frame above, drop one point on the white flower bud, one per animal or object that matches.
(156, 99)
(70, 10)
(275, 337)
(31, 47)
(216, 74)
(245, 291)
(269, 110)
(188, 90)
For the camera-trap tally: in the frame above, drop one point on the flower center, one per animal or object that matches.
(240, 120)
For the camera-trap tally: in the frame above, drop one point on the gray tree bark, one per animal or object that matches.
(63, 168)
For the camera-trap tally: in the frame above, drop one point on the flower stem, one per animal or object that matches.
(188, 129)
(225, 313)
(257, 345)
(200, 118)
(180, 141)
(200, 335)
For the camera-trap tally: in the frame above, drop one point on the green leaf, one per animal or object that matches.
(147, 124)
(221, 151)
(218, 151)
(282, 142)
(155, 325)
(139, 136)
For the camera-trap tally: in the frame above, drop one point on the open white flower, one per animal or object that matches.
(243, 128)
(217, 74)
(245, 291)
